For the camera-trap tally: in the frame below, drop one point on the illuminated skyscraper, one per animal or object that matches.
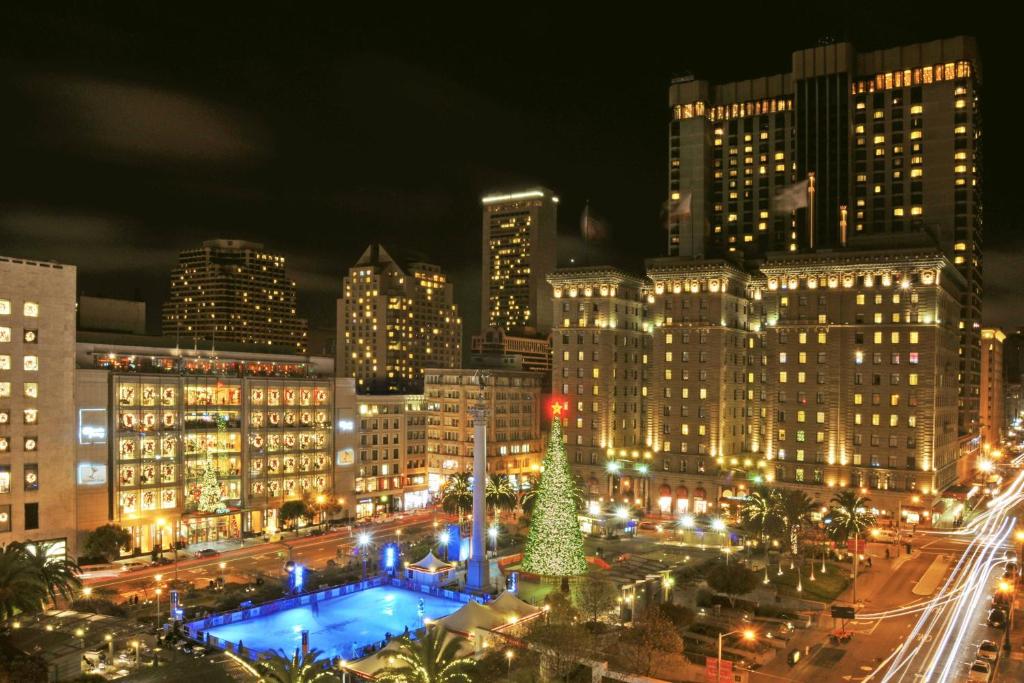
(394, 322)
(233, 291)
(892, 137)
(519, 251)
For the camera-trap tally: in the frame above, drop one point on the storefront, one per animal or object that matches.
(381, 505)
(199, 528)
(700, 502)
(682, 500)
(415, 500)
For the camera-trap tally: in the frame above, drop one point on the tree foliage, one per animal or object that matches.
(22, 587)
(307, 668)
(500, 495)
(849, 515)
(795, 509)
(457, 495)
(292, 511)
(651, 637)
(432, 658)
(732, 580)
(107, 541)
(595, 596)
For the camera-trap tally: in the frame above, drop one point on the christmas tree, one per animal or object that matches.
(555, 544)
(209, 489)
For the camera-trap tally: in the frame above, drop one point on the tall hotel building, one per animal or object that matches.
(993, 387)
(394, 322)
(892, 137)
(37, 410)
(233, 291)
(817, 371)
(519, 250)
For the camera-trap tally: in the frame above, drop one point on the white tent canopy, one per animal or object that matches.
(431, 564)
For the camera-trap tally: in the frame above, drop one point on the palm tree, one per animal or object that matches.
(457, 495)
(22, 588)
(307, 668)
(850, 516)
(795, 509)
(59, 575)
(761, 511)
(500, 494)
(430, 659)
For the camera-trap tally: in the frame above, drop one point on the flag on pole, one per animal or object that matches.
(591, 226)
(792, 198)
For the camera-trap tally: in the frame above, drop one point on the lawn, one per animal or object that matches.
(825, 587)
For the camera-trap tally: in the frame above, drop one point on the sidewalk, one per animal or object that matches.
(870, 580)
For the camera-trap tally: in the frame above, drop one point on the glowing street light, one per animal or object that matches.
(363, 541)
(492, 533)
(622, 512)
(686, 521)
(509, 655)
(748, 635)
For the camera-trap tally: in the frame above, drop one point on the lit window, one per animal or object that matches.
(31, 363)
(5, 307)
(5, 362)
(31, 416)
(31, 309)
(5, 335)
(30, 443)
(912, 379)
(31, 390)
(5, 389)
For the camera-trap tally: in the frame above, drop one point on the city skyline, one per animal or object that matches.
(232, 189)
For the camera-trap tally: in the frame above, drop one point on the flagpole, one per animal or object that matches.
(842, 225)
(810, 209)
(586, 238)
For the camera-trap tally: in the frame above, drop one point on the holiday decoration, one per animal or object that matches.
(209, 490)
(554, 546)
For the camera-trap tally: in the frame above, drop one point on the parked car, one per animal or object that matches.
(134, 566)
(997, 618)
(207, 552)
(980, 671)
(988, 650)
(160, 562)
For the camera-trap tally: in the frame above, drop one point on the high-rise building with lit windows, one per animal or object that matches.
(395, 321)
(992, 413)
(519, 250)
(37, 404)
(892, 138)
(233, 291)
(816, 371)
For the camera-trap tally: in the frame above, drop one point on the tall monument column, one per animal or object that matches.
(478, 574)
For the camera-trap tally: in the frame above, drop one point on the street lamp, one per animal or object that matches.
(1019, 537)
(110, 645)
(87, 591)
(509, 654)
(492, 533)
(135, 644)
(223, 566)
(748, 634)
(363, 541)
(444, 538)
(80, 634)
(159, 591)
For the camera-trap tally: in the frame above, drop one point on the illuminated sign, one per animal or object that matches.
(346, 425)
(558, 408)
(92, 426)
(346, 456)
(91, 474)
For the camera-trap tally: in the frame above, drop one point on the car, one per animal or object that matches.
(207, 552)
(161, 562)
(997, 618)
(1010, 556)
(134, 566)
(988, 650)
(1011, 569)
(980, 671)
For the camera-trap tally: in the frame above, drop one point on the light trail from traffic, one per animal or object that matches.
(932, 650)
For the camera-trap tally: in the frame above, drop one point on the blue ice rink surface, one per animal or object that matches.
(340, 626)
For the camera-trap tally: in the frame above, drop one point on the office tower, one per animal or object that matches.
(394, 321)
(600, 348)
(892, 137)
(154, 422)
(37, 411)
(991, 413)
(514, 440)
(233, 291)
(495, 348)
(817, 371)
(519, 246)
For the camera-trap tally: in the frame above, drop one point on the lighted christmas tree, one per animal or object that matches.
(209, 489)
(555, 544)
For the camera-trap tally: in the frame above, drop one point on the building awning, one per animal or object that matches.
(682, 492)
(700, 493)
(431, 564)
(665, 491)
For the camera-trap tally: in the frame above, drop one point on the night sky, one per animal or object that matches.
(130, 132)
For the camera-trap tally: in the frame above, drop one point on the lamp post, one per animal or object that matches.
(492, 533)
(223, 566)
(135, 644)
(80, 634)
(363, 542)
(445, 538)
(509, 654)
(748, 634)
(110, 646)
(158, 592)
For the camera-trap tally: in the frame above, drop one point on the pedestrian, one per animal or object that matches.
(887, 553)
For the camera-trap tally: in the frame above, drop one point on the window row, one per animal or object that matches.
(29, 309)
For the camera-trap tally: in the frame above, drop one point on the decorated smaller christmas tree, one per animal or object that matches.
(554, 546)
(209, 489)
